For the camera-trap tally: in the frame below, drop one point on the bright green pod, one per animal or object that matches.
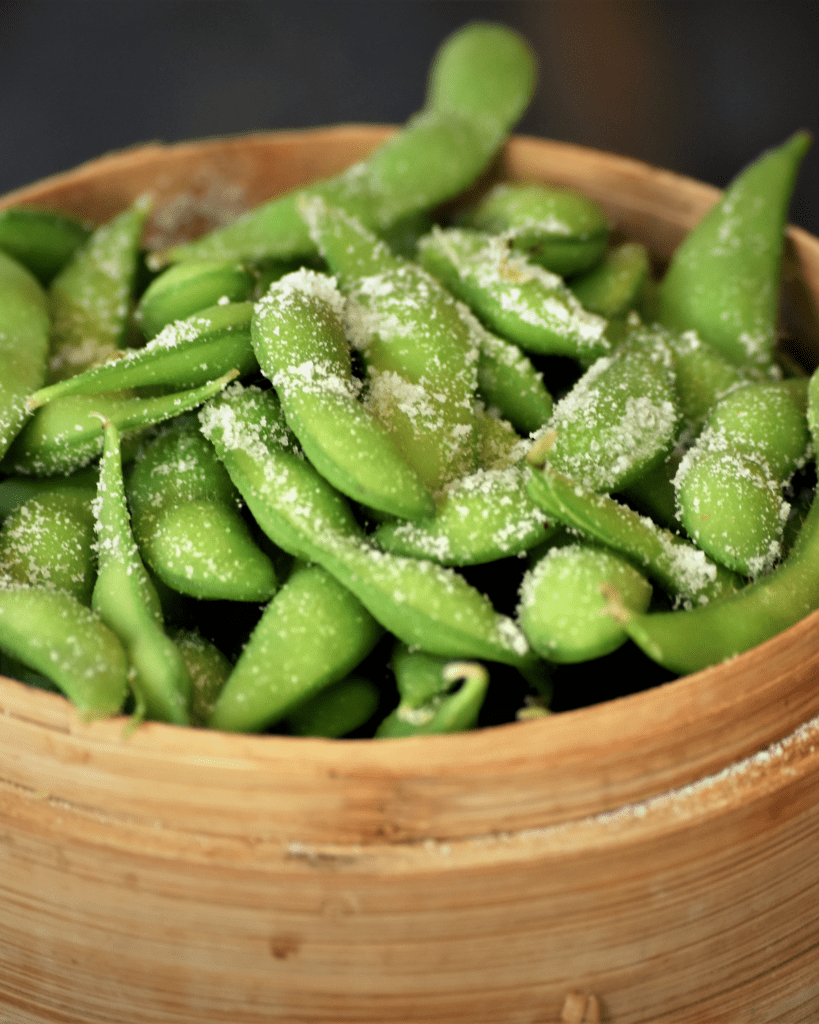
(208, 669)
(185, 354)
(43, 241)
(186, 520)
(52, 633)
(49, 541)
(702, 376)
(419, 353)
(723, 280)
(65, 435)
(312, 634)
(15, 490)
(513, 296)
(499, 445)
(445, 712)
(298, 336)
(481, 518)
(618, 420)
(90, 299)
(181, 291)
(682, 570)
(564, 599)
(24, 340)
(557, 228)
(615, 286)
(127, 603)
(337, 710)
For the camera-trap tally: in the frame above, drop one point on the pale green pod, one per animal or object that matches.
(445, 712)
(337, 710)
(43, 241)
(182, 291)
(615, 286)
(208, 669)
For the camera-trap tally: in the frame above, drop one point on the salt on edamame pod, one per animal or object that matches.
(515, 297)
(723, 280)
(312, 634)
(564, 600)
(126, 601)
(558, 228)
(208, 669)
(187, 523)
(24, 340)
(51, 632)
(42, 240)
(298, 336)
(90, 298)
(182, 291)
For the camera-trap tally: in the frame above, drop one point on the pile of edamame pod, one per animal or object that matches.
(341, 469)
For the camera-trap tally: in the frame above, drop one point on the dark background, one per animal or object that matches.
(698, 87)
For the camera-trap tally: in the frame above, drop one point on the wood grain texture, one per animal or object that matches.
(660, 851)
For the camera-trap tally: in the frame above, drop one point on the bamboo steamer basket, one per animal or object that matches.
(658, 852)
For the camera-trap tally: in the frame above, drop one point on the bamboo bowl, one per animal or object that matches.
(660, 851)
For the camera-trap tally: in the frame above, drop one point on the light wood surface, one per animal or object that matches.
(660, 851)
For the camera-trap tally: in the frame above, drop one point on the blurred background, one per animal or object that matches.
(698, 86)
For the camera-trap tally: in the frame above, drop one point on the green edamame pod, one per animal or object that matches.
(182, 291)
(723, 280)
(65, 435)
(187, 522)
(41, 240)
(445, 712)
(615, 286)
(185, 354)
(420, 357)
(702, 376)
(337, 710)
(51, 632)
(298, 336)
(558, 228)
(126, 601)
(481, 518)
(515, 297)
(49, 541)
(681, 569)
(208, 669)
(15, 490)
(481, 81)
(313, 633)
(564, 599)
(90, 298)
(24, 334)
(499, 446)
(619, 419)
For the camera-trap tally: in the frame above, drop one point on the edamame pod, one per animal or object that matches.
(126, 601)
(723, 280)
(41, 240)
(614, 287)
(90, 298)
(208, 669)
(446, 711)
(182, 291)
(337, 710)
(298, 336)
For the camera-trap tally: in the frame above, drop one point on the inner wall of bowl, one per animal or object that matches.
(525, 774)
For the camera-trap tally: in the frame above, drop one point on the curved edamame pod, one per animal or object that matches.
(126, 601)
(182, 291)
(445, 711)
(43, 241)
(514, 296)
(51, 632)
(337, 710)
(186, 520)
(24, 339)
(90, 298)
(614, 287)
(723, 280)
(208, 669)
(558, 228)
(313, 633)
(299, 340)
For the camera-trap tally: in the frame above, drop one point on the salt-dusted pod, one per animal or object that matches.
(515, 297)
(564, 599)
(187, 522)
(702, 376)
(208, 669)
(90, 299)
(49, 541)
(127, 603)
(682, 570)
(181, 291)
(559, 228)
(483, 517)
(723, 280)
(24, 341)
(420, 356)
(615, 286)
(42, 240)
(312, 634)
(53, 633)
(619, 419)
(298, 336)
(14, 490)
